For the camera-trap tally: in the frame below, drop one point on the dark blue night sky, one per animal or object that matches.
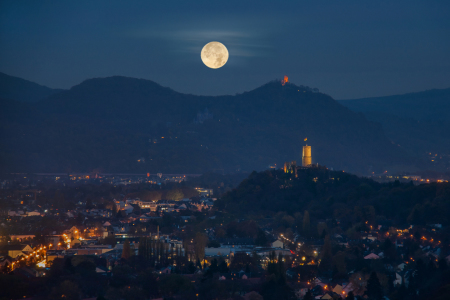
(347, 49)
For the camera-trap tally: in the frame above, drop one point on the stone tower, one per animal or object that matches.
(306, 156)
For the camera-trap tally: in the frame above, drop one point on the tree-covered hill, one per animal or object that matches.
(23, 90)
(426, 105)
(417, 122)
(329, 194)
(121, 124)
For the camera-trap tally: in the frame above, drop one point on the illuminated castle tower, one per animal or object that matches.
(306, 156)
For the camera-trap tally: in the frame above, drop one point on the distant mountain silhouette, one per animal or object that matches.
(121, 124)
(426, 105)
(424, 138)
(23, 90)
(417, 122)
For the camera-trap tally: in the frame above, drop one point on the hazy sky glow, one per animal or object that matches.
(347, 49)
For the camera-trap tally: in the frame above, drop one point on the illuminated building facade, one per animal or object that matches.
(306, 156)
(289, 166)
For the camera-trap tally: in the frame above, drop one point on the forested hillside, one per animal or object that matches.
(23, 90)
(121, 124)
(417, 122)
(329, 194)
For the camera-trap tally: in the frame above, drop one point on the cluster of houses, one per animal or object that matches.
(21, 213)
(121, 221)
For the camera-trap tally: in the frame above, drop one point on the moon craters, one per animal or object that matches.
(214, 55)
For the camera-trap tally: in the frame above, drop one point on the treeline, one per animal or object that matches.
(329, 194)
(158, 253)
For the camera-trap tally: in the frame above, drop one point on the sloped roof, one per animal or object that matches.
(12, 247)
(338, 289)
(371, 256)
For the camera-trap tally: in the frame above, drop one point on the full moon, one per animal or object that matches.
(214, 55)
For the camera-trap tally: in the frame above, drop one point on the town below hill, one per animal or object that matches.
(308, 233)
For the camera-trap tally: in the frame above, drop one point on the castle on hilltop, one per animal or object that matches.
(291, 166)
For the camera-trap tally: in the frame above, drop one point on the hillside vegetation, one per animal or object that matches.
(416, 122)
(329, 194)
(121, 124)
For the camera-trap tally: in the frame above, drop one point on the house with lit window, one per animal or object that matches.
(15, 250)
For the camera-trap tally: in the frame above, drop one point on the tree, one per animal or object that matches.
(126, 251)
(200, 242)
(261, 239)
(213, 244)
(374, 291)
(253, 296)
(175, 284)
(389, 249)
(350, 296)
(214, 267)
(339, 263)
(240, 261)
(109, 240)
(223, 268)
(190, 267)
(220, 233)
(281, 269)
(175, 194)
(306, 223)
(308, 295)
(326, 255)
(443, 266)
(89, 204)
(66, 290)
(287, 221)
(322, 229)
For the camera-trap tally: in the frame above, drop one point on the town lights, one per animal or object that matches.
(41, 264)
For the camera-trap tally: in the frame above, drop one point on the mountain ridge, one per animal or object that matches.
(136, 125)
(415, 121)
(425, 105)
(19, 89)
